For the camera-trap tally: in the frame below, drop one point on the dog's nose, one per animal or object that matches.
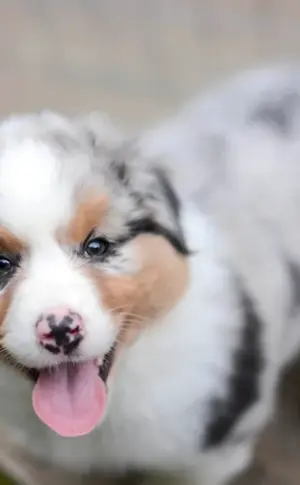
(60, 330)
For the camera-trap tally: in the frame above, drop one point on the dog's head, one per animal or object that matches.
(91, 253)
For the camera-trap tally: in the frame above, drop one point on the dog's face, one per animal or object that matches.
(91, 253)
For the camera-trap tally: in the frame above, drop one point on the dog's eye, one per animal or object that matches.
(6, 266)
(96, 247)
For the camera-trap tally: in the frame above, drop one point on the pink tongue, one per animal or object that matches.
(70, 399)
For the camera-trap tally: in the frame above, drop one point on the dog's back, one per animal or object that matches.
(236, 153)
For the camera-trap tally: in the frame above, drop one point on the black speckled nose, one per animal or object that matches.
(60, 330)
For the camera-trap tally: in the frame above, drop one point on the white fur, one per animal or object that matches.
(30, 199)
(158, 406)
(160, 399)
(43, 290)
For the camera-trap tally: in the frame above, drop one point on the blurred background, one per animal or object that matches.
(137, 60)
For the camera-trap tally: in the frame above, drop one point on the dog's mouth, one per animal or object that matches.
(71, 397)
(104, 369)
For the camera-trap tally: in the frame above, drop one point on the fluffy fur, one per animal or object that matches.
(205, 212)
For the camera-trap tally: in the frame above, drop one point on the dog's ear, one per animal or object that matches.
(105, 138)
(99, 131)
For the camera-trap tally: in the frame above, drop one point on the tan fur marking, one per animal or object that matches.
(87, 217)
(149, 293)
(10, 243)
(5, 301)
(7, 295)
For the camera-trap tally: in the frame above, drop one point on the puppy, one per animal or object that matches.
(150, 288)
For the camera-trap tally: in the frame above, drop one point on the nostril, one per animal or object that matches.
(60, 331)
(46, 335)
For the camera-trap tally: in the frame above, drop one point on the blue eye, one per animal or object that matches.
(96, 247)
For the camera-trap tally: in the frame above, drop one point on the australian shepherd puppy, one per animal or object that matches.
(150, 289)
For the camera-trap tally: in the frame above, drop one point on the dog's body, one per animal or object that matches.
(214, 277)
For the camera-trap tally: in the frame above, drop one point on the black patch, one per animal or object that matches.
(60, 331)
(107, 364)
(121, 171)
(243, 384)
(279, 114)
(33, 374)
(62, 334)
(294, 274)
(168, 192)
(52, 348)
(149, 226)
(69, 347)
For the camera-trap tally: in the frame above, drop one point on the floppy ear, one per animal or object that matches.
(99, 131)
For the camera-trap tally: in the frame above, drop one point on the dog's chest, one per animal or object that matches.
(154, 417)
(160, 402)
